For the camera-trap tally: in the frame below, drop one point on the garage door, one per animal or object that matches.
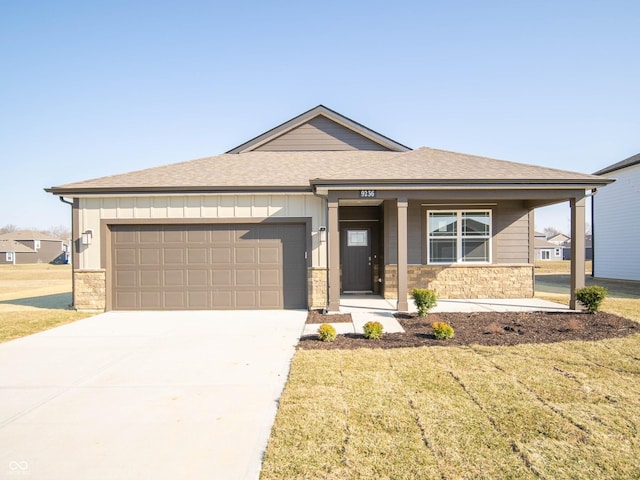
(198, 267)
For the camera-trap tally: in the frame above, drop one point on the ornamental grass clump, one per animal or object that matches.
(327, 333)
(424, 299)
(442, 331)
(373, 330)
(591, 297)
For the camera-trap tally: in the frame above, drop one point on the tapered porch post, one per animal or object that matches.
(334, 257)
(577, 247)
(403, 305)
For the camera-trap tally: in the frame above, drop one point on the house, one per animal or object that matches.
(588, 248)
(616, 232)
(544, 249)
(559, 239)
(27, 246)
(315, 208)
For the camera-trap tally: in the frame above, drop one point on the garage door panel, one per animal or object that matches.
(208, 266)
(173, 256)
(197, 256)
(125, 256)
(150, 256)
(174, 278)
(246, 255)
(197, 278)
(150, 278)
(150, 236)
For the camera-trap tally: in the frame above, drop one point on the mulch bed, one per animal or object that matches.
(316, 316)
(485, 328)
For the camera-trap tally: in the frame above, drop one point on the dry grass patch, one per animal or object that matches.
(563, 410)
(34, 298)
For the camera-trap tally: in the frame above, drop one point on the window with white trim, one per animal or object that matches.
(460, 236)
(9, 257)
(545, 254)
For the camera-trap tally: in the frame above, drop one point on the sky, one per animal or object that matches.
(90, 89)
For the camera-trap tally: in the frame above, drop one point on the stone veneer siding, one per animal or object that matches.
(90, 291)
(466, 281)
(317, 288)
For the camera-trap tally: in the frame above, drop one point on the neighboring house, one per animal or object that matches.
(588, 248)
(26, 246)
(545, 250)
(559, 239)
(314, 208)
(616, 230)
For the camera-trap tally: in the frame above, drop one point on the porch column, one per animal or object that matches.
(334, 257)
(403, 305)
(577, 247)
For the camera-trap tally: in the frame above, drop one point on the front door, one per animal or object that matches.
(356, 260)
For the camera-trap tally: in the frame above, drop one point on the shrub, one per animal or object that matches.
(442, 331)
(424, 299)
(591, 297)
(326, 333)
(373, 330)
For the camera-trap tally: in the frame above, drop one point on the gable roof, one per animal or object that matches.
(539, 243)
(628, 162)
(27, 235)
(13, 246)
(336, 132)
(300, 171)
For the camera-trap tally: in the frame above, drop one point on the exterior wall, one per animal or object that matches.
(555, 253)
(49, 252)
(466, 281)
(90, 289)
(320, 134)
(92, 211)
(616, 231)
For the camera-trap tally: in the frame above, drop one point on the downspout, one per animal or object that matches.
(326, 247)
(593, 236)
(71, 247)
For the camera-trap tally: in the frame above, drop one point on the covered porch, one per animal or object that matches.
(381, 239)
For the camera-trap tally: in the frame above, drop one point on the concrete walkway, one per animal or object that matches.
(145, 395)
(365, 308)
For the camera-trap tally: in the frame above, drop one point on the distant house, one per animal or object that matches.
(588, 248)
(559, 239)
(616, 230)
(26, 246)
(544, 249)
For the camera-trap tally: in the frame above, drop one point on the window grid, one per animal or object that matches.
(460, 236)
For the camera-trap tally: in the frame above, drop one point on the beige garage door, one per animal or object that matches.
(201, 267)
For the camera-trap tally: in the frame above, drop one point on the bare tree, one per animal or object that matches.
(61, 231)
(8, 228)
(551, 231)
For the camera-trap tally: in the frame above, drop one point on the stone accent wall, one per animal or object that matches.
(317, 288)
(465, 281)
(90, 291)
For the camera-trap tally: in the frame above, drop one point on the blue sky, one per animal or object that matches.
(97, 88)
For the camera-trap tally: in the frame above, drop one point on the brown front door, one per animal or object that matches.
(356, 260)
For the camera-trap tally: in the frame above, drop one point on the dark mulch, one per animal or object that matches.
(316, 316)
(489, 328)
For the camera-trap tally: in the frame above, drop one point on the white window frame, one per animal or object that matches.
(10, 257)
(459, 237)
(557, 252)
(36, 244)
(545, 254)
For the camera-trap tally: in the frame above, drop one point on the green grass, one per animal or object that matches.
(34, 298)
(564, 410)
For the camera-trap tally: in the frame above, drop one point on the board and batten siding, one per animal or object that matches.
(320, 134)
(616, 229)
(198, 207)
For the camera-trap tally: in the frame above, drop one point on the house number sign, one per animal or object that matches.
(367, 194)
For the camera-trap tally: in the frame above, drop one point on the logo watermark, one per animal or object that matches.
(18, 468)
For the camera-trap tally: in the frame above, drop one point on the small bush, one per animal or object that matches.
(424, 299)
(442, 331)
(373, 330)
(591, 297)
(326, 333)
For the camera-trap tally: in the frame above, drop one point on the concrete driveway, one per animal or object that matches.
(145, 395)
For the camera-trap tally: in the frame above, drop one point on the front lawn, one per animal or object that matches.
(560, 410)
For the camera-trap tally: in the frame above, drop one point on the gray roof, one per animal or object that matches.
(288, 171)
(27, 235)
(628, 162)
(13, 246)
